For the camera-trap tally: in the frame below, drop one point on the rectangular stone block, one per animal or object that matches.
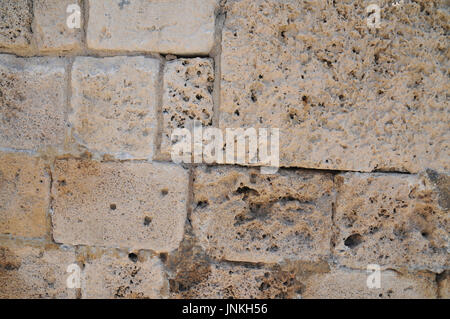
(29, 270)
(187, 97)
(344, 96)
(113, 105)
(15, 24)
(242, 215)
(112, 274)
(32, 102)
(50, 25)
(24, 195)
(184, 27)
(119, 204)
(393, 220)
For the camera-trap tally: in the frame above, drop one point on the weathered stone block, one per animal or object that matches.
(32, 102)
(24, 195)
(51, 30)
(344, 96)
(242, 215)
(174, 26)
(188, 86)
(31, 271)
(15, 24)
(392, 220)
(133, 205)
(114, 105)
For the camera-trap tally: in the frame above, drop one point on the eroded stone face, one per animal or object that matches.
(174, 26)
(242, 215)
(132, 205)
(52, 32)
(32, 271)
(343, 96)
(188, 86)
(393, 220)
(114, 105)
(15, 23)
(24, 195)
(32, 102)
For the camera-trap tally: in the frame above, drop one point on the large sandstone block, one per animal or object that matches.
(50, 27)
(188, 87)
(32, 102)
(114, 105)
(116, 274)
(352, 284)
(242, 215)
(15, 23)
(393, 220)
(344, 96)
(24, 195)
(184, 27)
(31, 271)
(133, 205)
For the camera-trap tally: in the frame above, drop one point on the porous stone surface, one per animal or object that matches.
(392, 220)
(188, 87)
(131, 205)
(113, 105)
(24, 195)
(184, 27)
(344, 96)
(50, 25)
(32, 102)
(242, 215)
(117, 274)
(29, 270)
(443, 280)
(15, 23)
(352, 284)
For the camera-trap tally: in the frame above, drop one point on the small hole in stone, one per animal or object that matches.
(147, 221)
(353, 240)
(163, 257)
(113, 206)
(164, 191)
(133, 257)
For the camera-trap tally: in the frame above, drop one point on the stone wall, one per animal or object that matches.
(86, 176)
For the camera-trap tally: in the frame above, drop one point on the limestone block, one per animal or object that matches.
(129, 204)
(32, 102)
(242, 215)
(24, 195)
(15, 24)
(184, 27)
(113, 105)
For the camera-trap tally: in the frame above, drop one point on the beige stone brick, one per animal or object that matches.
(393, 220)
(242, 215)
(30, 270)
(32, 102)
(133, 205)
(444, 284)
(184, 27)
(352, 284)
(113, 105)
(50, 26)
(344, 96)
(188, 86)
(117, 274)
(15, 24)
(24, 195)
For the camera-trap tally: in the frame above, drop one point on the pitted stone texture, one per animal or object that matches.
(32, 102)
(24, 195)
(114, 105)
(52, 32)
(31, 271)
(444, 285)
(112, 274)
(15, 23)
(188, 86)
(184, 27)
(133, 205)
(344, 96)
(352, 284)
(242, 215)
(392, 220)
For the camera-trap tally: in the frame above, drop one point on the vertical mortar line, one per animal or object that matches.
(334, 228)
(159, 107)
(84, 24)
(33, 41)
